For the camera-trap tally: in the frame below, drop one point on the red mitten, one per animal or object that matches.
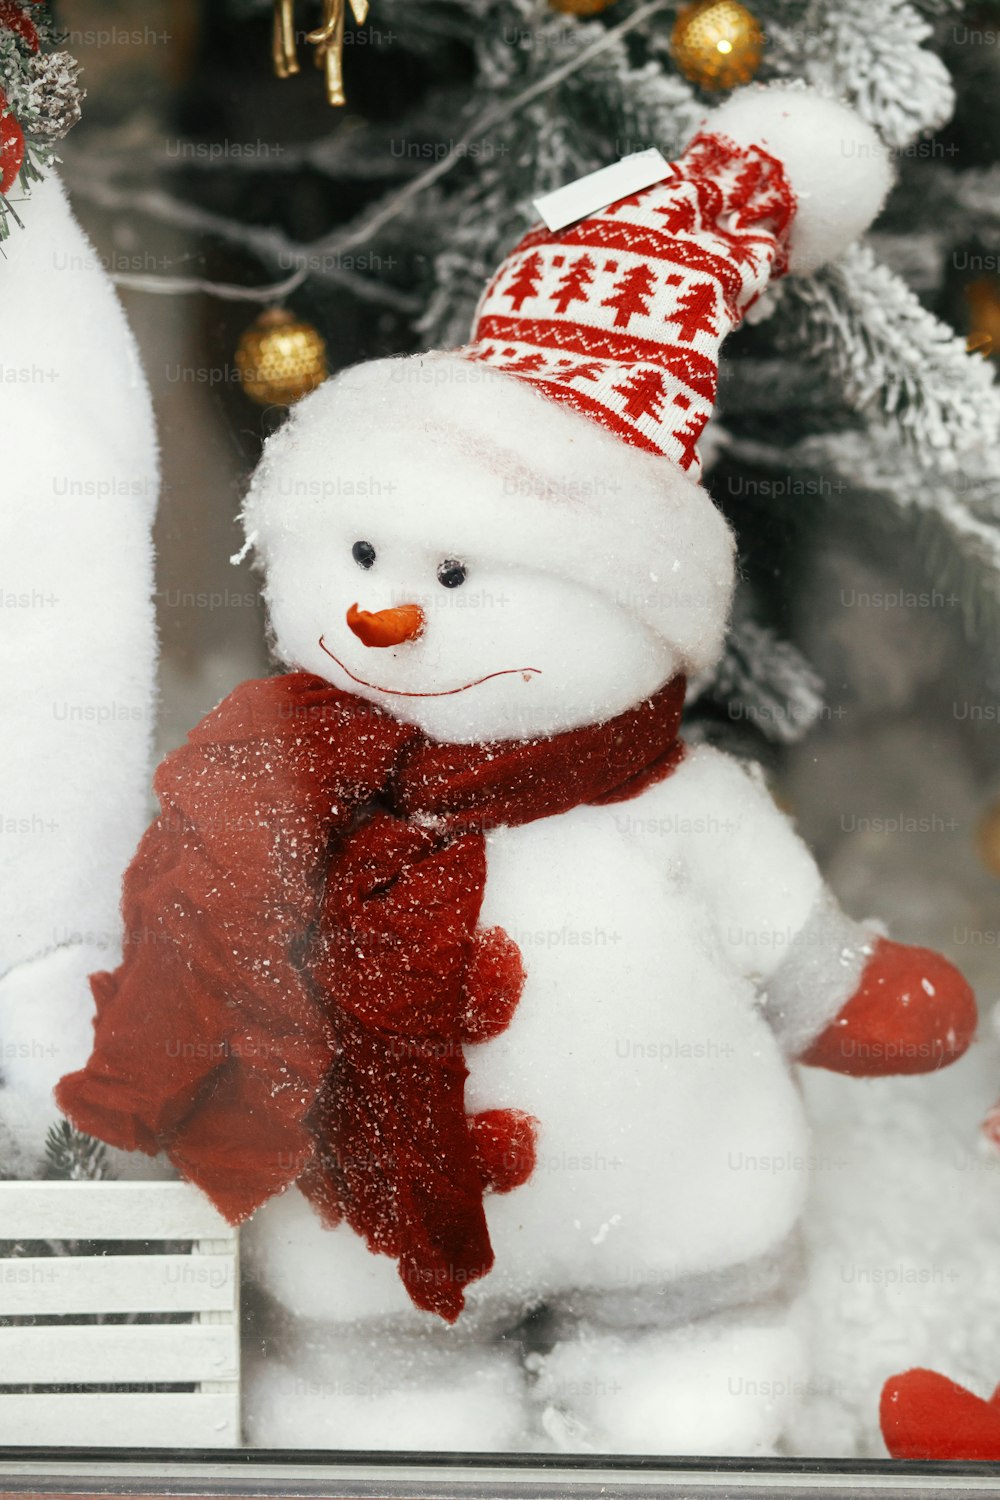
(925, 1415)
(911, 1013)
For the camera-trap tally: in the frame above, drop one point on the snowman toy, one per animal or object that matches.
(77, 646)
(468, 986)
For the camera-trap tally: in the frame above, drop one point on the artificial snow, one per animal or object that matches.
(903, 1221)
(901, 1234)
(657, 1229)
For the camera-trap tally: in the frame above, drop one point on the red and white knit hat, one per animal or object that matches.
(621, 315)
(617, 319)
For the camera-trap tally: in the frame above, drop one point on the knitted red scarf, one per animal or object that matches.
(303, 964)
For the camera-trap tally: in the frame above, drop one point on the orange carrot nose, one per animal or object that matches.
(386, 627)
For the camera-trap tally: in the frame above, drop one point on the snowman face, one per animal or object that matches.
(479, 560)
(464, 647)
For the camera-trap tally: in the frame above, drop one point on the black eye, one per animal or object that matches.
(363, 554)
(451, 574)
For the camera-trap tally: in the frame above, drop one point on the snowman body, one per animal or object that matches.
(672, 1153)
(77, 651)
(641, 1048)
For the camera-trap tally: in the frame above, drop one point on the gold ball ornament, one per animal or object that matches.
(280, 358)
(982, 298)
(580, 7)
(988, 839)
(717, 44)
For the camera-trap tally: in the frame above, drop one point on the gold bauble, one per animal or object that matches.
(280, 358)
(717, 44)
(982, 298)
(580, 7)
(988, 839)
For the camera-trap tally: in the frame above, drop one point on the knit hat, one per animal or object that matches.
(621, 315)
(567, 428)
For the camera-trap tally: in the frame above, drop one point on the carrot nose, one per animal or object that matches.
(386, 627)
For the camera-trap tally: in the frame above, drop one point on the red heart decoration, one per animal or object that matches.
(925, 1415)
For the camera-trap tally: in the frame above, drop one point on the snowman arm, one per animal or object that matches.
(775, 919)
(836, 994)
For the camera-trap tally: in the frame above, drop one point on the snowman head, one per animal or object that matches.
(511, 541)
(444, 541)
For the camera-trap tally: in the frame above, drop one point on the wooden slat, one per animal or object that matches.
(61, 1285)
(118, 1421)
(212, 1250)
(109, 1354)
(108, 1211)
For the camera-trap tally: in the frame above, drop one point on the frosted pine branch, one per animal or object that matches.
(871, 53)
(957, 526)
(272, 247)
(768, 682)
(936, 8)
(602, 111)
(951, 204)
(894, 357)
(72, 1156)
(952, 520)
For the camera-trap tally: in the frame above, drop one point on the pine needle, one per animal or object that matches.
(74, 1157)
(894, 358)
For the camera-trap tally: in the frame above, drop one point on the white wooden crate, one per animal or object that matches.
(199, 1280)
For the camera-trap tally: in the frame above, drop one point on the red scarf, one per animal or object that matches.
(303, 964)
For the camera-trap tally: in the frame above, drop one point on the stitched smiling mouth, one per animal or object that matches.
(524, 672)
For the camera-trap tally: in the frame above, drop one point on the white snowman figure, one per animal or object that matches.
(77, 648)
(491, 572)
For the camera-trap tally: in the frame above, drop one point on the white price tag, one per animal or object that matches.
(587, 195)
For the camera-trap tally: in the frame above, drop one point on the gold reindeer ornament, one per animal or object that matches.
(328, 39)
